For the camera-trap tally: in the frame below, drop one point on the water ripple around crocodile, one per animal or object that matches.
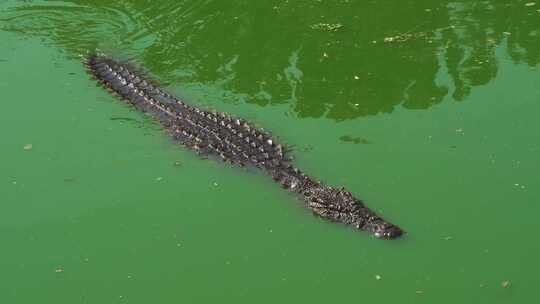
(77, 28)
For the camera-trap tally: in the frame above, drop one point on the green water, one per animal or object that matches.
(427, 110)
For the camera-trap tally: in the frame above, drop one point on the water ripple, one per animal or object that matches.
(77, 28)
(270, 52)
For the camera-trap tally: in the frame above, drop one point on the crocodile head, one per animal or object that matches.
(341, 206)
(382, 230)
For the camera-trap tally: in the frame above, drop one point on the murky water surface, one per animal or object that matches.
(428, 110)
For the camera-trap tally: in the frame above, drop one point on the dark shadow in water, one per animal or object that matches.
(334, 59)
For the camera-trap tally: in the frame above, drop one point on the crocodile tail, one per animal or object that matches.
(208, 132)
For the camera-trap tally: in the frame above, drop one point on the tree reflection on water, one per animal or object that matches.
(334, 59)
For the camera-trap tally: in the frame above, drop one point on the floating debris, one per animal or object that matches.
(177, 163)
(158, 179)
(123, 119)
(328, 27)
(505, 284)
(530, 4)
(59, 270)
(419, 292)
(28, 147)
(308, 148)
(520, 186)
(404, 37)
(70, 179)
(378, 277)
(354, 140)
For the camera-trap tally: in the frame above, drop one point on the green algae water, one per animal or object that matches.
(427, 110)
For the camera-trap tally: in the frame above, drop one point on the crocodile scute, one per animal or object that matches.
(236, 141)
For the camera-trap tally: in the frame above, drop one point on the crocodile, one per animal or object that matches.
(235, 141)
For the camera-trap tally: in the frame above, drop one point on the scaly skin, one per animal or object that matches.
(236, 141)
